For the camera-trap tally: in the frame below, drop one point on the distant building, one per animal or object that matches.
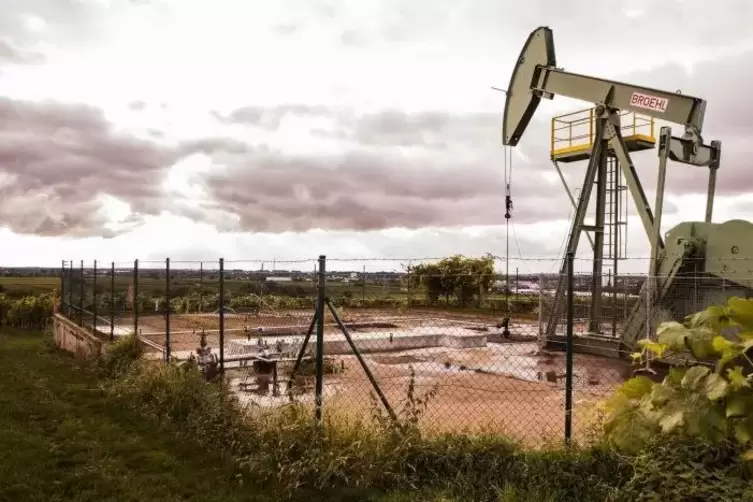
(278, 279)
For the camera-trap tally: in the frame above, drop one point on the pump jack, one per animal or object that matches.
(697, 248)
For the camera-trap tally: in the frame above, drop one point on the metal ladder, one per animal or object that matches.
(615, 219)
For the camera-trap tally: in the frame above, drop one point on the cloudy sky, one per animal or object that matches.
(354, 128)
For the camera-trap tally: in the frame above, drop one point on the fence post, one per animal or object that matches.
(201, 287)
(94, 298)
(222, 316)
(569, 353)
(410, 284)
(136, 297)
(81, 297)
(70, 291)
(320, 298)
(363, 288)
(168, 308)
(62, 289)
(112, 301)
(541, 309)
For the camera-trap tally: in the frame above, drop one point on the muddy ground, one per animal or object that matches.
(509, 388)
(502, 388)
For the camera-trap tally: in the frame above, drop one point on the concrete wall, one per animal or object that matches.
(593, 345)
(365, 345)
(73, 338)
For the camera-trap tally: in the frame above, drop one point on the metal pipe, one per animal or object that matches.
(320, 298)
(167, 310)
(201, 287)
(570, 196)
(665, 136)
(94, 299)
(598, 256)
(303, 349)
(135, 297)
(70, 291)
(716, 148)
(569, 351)
(365, 366)
(62, 289)
(222, 315)
(81, 297)
(112, 301)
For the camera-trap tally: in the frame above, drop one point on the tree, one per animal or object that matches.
(458, 276)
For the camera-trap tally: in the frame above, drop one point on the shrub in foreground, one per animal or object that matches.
(708, 394)
(689, 469)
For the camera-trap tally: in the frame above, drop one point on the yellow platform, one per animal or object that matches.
(573, 134)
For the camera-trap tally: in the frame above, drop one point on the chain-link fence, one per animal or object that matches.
(453, 345)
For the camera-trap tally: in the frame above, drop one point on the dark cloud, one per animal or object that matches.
(58, 159)
(362, 190)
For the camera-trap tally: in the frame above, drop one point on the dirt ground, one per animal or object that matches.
(508, 388)
(530, 411)
(470, 399)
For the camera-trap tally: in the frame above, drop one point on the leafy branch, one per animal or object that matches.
(710, 397)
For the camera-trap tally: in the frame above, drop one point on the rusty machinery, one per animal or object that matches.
(689, 251)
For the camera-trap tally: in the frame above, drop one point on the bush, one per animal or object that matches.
(707, 394)
(29, 312)
(683, 470)
(121, 355)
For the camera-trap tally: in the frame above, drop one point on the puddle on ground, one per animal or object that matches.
(517, 360)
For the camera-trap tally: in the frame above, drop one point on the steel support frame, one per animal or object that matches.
(607, 136)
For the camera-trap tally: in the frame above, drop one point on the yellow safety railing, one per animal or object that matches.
(574, 132)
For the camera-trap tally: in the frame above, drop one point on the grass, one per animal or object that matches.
(64, 437)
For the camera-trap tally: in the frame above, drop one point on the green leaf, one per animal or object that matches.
(741, 311)
(721, 344)
(748, 455)
(671, 421)
(716, 423)
(636, 387)
(672, 335)
(694, 376)
(738, 406)
(627, 427)
(736, 378)
(716, 387)
(661, 395)
(700, 341)
(726, 358)
(676, 375)
(713, 317)
(741, 431)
